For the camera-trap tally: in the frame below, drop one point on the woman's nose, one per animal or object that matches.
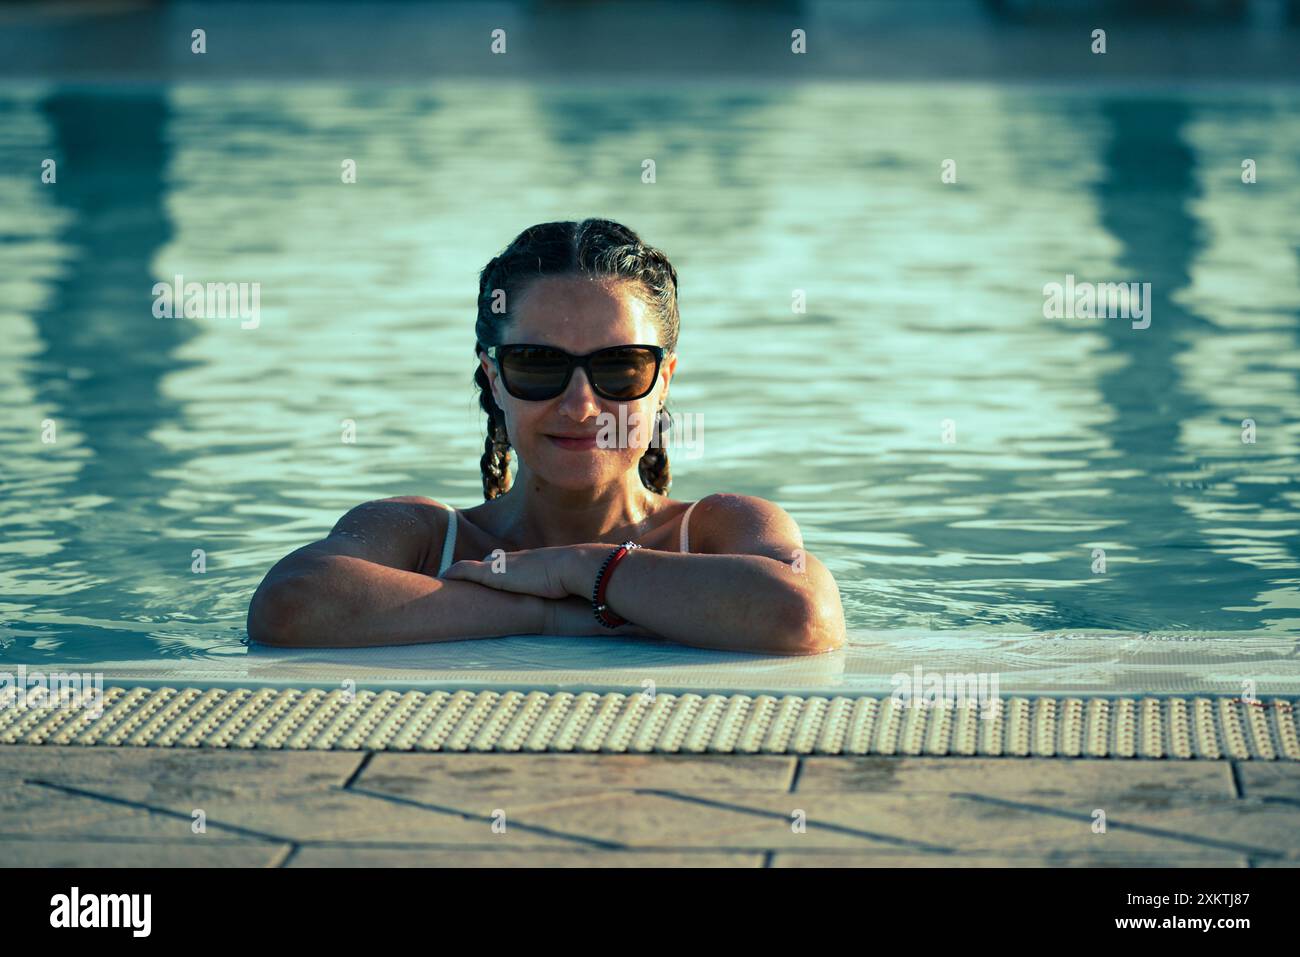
(579, 393)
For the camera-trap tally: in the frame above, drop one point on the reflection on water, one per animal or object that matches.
(924, 305)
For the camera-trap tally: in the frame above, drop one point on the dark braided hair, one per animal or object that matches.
(594, 247)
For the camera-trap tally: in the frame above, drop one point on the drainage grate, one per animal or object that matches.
(315, 718)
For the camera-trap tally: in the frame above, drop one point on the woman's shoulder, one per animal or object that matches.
(737, 505)
(415, 501)
(403, 510)
(414, 506)
(729, 522)
(397, 531)
(415, 517)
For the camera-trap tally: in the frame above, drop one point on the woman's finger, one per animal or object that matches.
(464, 570)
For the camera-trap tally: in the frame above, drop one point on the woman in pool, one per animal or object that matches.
(574, 321)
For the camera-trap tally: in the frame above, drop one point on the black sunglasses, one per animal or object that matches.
(534, 373)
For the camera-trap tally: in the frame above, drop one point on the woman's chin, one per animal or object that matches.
(579, 470)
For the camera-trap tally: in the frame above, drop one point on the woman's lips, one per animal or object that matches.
(576, 445)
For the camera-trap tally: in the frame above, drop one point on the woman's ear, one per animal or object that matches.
(490, 370)
(667, 371)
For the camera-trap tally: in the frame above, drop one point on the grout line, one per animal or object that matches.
(579, 839)
(1193, 839)
(13, 837)
(830, 853)
(164, 811)
(794, 778)
(282, 859)
(1236, 779)
(400, 845)
(1279, 799)
(703, 799)
(356, 772)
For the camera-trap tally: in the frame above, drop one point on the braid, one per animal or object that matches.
(495, 462)
(595, 247)
(653, 467)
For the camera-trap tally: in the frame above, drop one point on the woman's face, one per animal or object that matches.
(580, 315)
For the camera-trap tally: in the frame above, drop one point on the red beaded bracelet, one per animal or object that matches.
(603, 614)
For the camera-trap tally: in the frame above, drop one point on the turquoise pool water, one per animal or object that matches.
(924, 304)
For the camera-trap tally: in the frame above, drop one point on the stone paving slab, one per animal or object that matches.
(1270, 781)
(477, 857)
(133, 807)
(930, 823)
(284, 797)
(292, 816)
(413, 775)
(33, 810)
(1044, 777)
(231, 770)
(838, 859)
(152, 853)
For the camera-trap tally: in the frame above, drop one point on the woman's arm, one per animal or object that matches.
(754, 588)
(340, 601)
(359, 587)
(748, 586)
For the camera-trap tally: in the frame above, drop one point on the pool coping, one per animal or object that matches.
(538, 721)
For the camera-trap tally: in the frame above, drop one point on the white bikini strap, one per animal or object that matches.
(686, 541)
(449, 544)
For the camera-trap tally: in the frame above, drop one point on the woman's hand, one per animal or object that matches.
(547, 572)
(564, 576)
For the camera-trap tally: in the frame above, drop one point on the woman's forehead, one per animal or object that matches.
(573, 308)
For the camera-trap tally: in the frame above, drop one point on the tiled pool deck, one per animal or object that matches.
(135, 807)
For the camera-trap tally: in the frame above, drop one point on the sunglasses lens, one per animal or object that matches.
(624, 373)
(533, 372)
